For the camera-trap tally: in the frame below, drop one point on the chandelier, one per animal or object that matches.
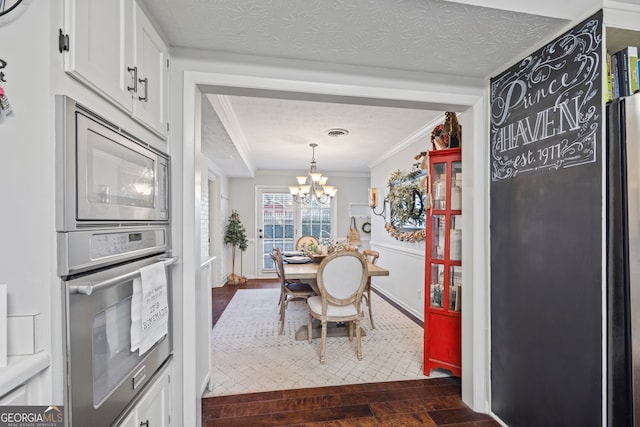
(313, 186)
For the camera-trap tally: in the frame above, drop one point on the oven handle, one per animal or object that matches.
(88, 289)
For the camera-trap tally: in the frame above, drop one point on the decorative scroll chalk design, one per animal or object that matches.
(545, 110)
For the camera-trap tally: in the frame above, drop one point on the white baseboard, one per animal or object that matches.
(498, 420)
(397, 301)
(206, 384)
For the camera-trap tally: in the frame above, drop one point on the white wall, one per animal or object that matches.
(204, 218)
(27, 252)
(405, 260)
(352, 188)
(26, 162)
(215, 229)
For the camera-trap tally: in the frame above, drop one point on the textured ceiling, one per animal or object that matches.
(420, 36)
(415, 35)
(279, 132)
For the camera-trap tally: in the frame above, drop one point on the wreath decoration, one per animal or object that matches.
(406, 197)
(366, 227)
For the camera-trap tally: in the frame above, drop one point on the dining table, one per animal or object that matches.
(308, 272)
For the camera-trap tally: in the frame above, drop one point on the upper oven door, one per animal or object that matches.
(108, 177)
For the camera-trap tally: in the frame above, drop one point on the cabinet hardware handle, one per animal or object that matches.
(146, 89)
(144, 423)
(133, 88)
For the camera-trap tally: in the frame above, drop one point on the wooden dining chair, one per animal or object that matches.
(342, 276)
(305, 240)
(289, 290)
(372, 257)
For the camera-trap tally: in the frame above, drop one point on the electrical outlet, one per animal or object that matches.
(419, 292)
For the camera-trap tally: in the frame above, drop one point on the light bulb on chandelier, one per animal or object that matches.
(313, 186)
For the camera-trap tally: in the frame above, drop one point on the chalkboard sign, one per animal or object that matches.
(545, 213)
(545, 111)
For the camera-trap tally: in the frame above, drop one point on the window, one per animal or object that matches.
(282, 222)
(315, 221)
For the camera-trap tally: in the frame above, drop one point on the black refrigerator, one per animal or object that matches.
(623, 262)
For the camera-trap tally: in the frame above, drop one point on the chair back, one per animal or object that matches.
(276, 256)
(372, 256)
(342, 277)
(304, 240)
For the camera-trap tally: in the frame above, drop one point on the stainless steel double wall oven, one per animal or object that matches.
(112, 218)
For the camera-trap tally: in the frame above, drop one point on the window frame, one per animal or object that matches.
(260, 254)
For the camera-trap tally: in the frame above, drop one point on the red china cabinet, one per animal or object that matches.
(443, 263)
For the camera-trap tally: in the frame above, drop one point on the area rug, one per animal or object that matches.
(250, 356)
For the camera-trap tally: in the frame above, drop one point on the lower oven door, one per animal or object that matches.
(103, 376)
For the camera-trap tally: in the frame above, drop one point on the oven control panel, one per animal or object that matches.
(119, 243)
(86, 250)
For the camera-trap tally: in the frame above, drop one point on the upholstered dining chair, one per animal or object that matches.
(305, 240)
(372, 257)
(289, 291)
(342, 276)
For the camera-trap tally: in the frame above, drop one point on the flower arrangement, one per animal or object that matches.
(310, 249)
(340, 246)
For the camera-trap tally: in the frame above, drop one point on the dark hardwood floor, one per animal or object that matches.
(429, 402)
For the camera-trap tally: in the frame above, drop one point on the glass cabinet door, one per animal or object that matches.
(444, 231)
(437, 236)
(439, 182)
(455, 288)
(437, 286)
(455, 238)
(456, 186)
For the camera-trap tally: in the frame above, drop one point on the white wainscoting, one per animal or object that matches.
(405, 283)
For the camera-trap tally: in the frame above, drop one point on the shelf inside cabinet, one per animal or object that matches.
(618, 38)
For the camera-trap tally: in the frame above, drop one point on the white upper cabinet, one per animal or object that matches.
(152, 61)
(114, 49)
(99, 46)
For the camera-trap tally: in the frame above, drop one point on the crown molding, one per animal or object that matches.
(224, 110)
(424, 131)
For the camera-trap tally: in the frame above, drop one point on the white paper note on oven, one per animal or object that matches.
(149, 308)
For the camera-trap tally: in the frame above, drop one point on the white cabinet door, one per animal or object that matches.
(151, 56)
(153, 410)
(100, 48)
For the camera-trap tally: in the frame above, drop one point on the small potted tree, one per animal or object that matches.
(235, 236)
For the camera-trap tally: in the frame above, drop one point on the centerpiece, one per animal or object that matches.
(316, 252)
